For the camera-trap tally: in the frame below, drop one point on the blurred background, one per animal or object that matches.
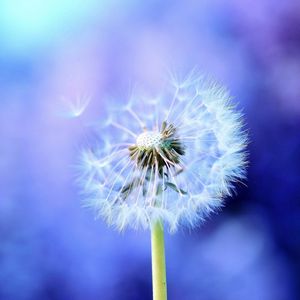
(60, 50)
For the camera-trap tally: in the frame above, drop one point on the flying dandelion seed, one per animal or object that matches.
(73, 108)
(171, 158)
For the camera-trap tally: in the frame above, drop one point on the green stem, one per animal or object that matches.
(159, 281)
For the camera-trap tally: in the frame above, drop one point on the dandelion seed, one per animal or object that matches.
(175, 161)
(73, 108)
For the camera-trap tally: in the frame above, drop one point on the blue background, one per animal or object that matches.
(52, 248)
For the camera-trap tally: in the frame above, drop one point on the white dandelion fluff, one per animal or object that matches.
(171, 158)
(74, 107)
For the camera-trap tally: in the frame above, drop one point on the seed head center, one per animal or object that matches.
(149, 140)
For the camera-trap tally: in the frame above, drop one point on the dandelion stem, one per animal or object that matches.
(159, 281)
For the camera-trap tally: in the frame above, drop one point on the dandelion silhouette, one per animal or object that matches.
(166, 161)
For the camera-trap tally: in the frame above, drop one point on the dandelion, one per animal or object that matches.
(166, 161)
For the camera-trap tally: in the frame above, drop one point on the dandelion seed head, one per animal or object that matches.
(174, 157)
(149, 140)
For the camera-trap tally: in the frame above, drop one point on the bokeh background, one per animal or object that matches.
(53, 51)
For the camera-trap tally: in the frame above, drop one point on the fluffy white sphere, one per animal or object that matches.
(173, 158)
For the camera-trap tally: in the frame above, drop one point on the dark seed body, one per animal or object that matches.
(163, 157)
